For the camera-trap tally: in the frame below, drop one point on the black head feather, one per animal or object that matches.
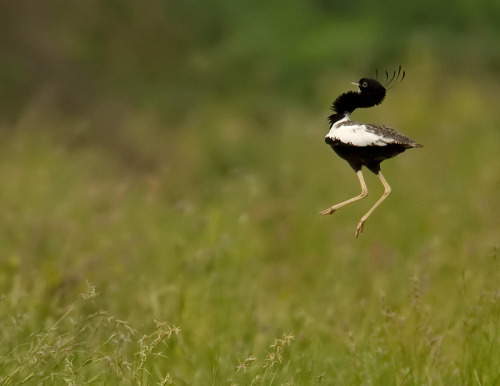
(393, 79)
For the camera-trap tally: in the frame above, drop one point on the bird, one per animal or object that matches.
(363, 144)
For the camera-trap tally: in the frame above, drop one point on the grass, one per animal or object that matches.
(194, 255)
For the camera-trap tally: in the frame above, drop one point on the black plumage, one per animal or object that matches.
(364, 144)
(371, 93)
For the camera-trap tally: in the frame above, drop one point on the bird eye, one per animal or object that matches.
(364, 84)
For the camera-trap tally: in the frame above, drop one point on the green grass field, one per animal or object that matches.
(193, 254)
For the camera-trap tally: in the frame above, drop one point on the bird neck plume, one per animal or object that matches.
(336, 117)
(351, 100)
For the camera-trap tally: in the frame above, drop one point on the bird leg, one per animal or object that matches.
(387, 191)
(363, 194)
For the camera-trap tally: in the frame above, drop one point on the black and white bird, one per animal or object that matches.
(364, 144)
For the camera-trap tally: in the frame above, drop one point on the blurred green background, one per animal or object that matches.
(163, 167)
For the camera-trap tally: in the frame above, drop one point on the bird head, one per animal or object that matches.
(370, 86)
(371, 92)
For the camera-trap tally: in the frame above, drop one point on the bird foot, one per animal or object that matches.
(359, 228)
(327, 211)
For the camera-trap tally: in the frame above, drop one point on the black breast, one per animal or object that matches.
(369, 156)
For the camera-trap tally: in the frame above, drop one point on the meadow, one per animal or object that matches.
(200, 258)
(162, 227)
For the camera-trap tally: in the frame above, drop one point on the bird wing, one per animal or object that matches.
(388, 135)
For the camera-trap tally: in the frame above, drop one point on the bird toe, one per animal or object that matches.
(359, 228)
(327, 211)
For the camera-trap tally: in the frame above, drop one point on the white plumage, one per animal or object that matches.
(357, 134)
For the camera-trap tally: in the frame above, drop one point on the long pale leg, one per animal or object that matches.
(387, 191)
(363, 194)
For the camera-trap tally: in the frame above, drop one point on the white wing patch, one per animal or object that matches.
(356, 134)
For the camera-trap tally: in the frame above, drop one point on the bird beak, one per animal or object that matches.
(354, 83)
